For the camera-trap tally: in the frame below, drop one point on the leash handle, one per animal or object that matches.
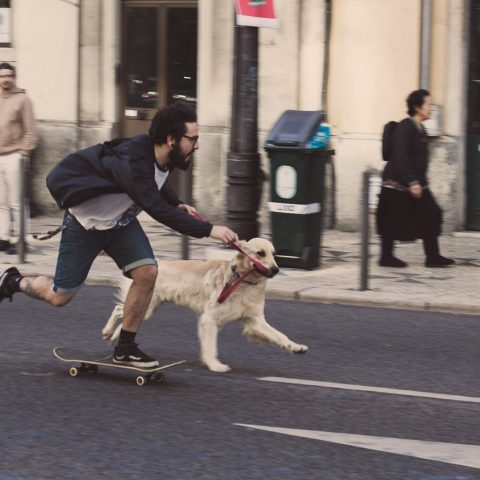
(259, 266)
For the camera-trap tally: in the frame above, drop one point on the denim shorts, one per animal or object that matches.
(128, 246)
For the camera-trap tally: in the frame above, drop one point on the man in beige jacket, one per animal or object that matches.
(18, 138)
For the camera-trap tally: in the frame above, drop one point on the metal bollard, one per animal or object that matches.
(186, 195)
(21, 250)
(365, 231)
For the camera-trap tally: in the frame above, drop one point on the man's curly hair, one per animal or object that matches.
(171, 120)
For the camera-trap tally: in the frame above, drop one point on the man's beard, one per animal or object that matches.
(178, 159)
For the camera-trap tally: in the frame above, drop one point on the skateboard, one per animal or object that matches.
(89, 363)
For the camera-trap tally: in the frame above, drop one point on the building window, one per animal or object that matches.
(5, 23)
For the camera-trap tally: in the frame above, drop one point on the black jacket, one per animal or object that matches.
(127, 166)
(409, 161)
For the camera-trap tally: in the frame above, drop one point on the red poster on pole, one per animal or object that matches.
(256, 13)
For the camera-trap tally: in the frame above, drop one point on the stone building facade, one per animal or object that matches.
(97, 69)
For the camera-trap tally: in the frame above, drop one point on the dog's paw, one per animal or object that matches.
(107, 335)
(297, 348)
(218, 367)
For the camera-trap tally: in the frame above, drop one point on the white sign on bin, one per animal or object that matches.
(294, 208)
(286, 181)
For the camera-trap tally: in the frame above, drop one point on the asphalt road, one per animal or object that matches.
(207, 426)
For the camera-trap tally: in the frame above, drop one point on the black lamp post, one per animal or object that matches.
(243, 160)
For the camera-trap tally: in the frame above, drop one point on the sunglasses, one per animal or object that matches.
(193, 140)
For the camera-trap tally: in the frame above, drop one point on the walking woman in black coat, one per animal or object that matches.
(407, 209)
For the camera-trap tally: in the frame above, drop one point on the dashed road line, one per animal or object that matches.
(366, 388)
(452, 453)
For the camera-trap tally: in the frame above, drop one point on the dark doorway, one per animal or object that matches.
(159, 61)
(473, 125)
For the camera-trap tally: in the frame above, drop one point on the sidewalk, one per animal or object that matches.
(454, 289)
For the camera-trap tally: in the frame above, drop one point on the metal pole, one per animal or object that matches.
(186, 195)
(21, 226)
(365, 231)
(243, 160)
(425, 39)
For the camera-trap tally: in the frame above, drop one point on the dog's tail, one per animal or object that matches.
(122, 290)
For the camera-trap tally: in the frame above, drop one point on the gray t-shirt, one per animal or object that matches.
(112, 210)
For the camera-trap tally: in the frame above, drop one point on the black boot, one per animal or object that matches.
(432, 253)
(387, 259)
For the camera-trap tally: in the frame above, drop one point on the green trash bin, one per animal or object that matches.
(297, 172)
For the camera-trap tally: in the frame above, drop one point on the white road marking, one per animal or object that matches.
(365, 388)
(453, 453)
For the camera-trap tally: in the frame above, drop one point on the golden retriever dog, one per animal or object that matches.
(197, 284)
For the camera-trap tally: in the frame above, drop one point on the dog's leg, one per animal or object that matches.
(115, 317)
(208, 333)
(116, 333)
(259, 330)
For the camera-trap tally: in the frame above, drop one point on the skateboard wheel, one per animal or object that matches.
(92, 369)
(141, 381)
(88, 368)
(158, 377)
(73, 371)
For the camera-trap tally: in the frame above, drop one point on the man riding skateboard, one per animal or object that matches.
(103, 188)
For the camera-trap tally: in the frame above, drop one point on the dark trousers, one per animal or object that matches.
(430, 247)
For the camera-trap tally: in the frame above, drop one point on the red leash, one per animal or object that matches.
(259, 266)
(230, 286)
(198, 216)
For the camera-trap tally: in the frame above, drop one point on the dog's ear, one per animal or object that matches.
(241, 243)
(241, 260)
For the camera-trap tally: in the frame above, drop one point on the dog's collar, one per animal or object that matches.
(233, 282)
(236, 275)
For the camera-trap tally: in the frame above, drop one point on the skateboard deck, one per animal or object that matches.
(90, 361)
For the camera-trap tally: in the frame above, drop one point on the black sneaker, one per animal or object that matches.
(6, 288)
(129, 354)
(392, 262)
(438, 262)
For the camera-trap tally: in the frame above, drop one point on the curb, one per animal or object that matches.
(393, 304)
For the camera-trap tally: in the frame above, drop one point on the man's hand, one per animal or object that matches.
(416, 191)
(224, 234)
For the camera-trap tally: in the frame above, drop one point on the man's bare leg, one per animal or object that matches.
(41, 288)
(138, 296)
(135, 306)
(136, 303)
